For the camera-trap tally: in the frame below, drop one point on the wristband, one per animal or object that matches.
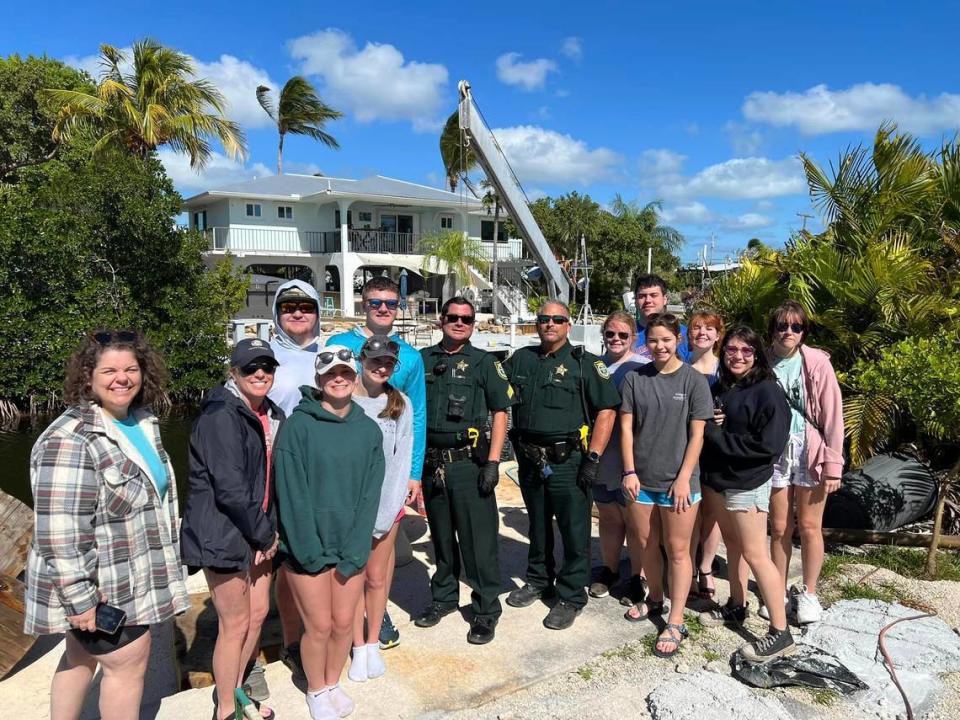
(627, 474)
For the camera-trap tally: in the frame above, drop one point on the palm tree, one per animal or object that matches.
(457, 253)
(647, 219)
(458, 157)
(299, 112)
(157, 102)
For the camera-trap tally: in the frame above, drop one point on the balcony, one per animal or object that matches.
(272, 240)
(512, 249)
(380, 241)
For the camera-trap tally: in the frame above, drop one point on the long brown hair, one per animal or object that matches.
(395, 403)
(80, 366)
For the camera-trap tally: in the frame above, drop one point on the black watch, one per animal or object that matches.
(593, 456)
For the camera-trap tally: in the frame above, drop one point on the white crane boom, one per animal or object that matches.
(491, 158)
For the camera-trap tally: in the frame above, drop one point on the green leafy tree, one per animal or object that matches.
(157, 102)
(457, 156)
(300, 111)
(455, 254)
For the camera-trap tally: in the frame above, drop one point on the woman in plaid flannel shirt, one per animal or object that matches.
(106, 525)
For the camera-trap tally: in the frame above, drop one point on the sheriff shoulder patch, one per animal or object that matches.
(500, 371)
(602, 370)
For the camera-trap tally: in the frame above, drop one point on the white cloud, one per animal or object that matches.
(860, 107)
(528, 75)
(696, 213)
(749, 221)
(660, 163)
(572, 48)
(546, 156)
(740, 178)
(745, 140)
(219, 171)
(236, 79)
(376, 82)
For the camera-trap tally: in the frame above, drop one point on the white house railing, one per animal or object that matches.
(512, 249)
(272, 240)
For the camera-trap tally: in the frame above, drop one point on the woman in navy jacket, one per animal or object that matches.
(229, 524)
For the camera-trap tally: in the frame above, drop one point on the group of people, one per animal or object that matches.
(302, 463)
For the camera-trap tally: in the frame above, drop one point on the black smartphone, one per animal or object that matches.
(110, 619)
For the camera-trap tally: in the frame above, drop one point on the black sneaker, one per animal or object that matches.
(776, 643)
(524, 596)
(482, 629)
(727, 614)
(636, 591)
(290, 656)
(433, 614)
(389, 635)
(606, 579)
(561, 616)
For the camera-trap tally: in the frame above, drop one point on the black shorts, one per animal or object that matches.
(100, 643)
(297, 569)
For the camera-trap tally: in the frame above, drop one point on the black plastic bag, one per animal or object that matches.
(808, 667)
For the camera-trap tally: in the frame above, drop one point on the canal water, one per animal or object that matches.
(15, 445)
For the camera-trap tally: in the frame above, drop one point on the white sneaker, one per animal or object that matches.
(320, 707)
(375, 665)
(808, 608)
(341, 702)
(358, 664)
(765, 614)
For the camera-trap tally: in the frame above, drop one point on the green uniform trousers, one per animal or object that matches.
(463, 525)
(558, 496)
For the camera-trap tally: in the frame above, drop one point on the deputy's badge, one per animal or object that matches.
(602, 370)
(560, 370)
(460, 370)
(500, 371)
(462, 365)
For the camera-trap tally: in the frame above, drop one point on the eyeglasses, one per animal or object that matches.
(375, 303)
(326, 357)
(451, 318)
(746, 353)
(111, 338)
(378, 345)
(557, 319)
(307, 308)
(796, 328)
(611, 334)
(268, 367)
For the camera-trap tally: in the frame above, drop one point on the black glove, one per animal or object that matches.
(589, 471)
(489, 477)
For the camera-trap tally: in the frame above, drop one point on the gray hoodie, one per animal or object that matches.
(296, 362)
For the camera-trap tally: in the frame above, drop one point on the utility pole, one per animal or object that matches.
(804, 216)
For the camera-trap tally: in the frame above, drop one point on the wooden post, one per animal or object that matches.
(938, 519)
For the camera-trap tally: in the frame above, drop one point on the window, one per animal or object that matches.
(486, 231)
(336, 218)
(254, 210)
(446, 222)
(200, 220)
(364, 216)
(285, 212)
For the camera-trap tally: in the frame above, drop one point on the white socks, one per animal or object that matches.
(375, 664)
(341, 701)
(358, 665)
(320, 706)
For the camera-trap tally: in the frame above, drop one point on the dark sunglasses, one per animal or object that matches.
(452, 318)
(249, 369)
(796, 328)
(557, 319)
(611, 334)
(307, 308)
(112, 338)
(378, 345)
(326, 357)
(744, 352)
(375, 303)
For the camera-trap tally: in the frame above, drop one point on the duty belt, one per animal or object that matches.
(436, 456)
(541, 451)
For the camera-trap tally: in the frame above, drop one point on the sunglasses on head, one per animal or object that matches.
(375, 303)
(307, 308)
(557, 319)
(796, 328)
(611, 334)
(453, 317)
(326, 357)
(377, 345)
(111, 338)
(250, 368)
(746, 352)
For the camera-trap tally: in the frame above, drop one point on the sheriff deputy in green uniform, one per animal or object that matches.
(562, 391)
(461, 470)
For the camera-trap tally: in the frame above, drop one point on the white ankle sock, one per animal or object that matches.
(341, 702)
(375, 664)
(358, 665)
(320, 707)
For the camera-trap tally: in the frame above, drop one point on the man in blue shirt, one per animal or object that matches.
(381, 300)
(650, 298)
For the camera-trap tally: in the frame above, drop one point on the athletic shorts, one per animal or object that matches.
(100, 643)
(661, 499)
(746, 500)
(606, 496)
(791, 468)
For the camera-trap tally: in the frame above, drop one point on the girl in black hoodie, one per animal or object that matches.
(750, 430)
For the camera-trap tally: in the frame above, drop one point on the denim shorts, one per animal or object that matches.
(746, 500)
(605, 496)
(661, 499)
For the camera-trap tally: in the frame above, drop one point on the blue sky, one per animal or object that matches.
(701, 105)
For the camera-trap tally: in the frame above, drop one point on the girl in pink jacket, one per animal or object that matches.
(812, 463)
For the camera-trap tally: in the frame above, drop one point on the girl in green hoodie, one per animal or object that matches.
(329, 470)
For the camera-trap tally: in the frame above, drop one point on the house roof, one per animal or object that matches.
(312, 187)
